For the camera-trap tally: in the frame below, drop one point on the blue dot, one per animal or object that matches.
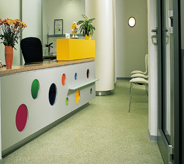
(75, 76)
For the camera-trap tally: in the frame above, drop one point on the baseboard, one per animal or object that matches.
(152, 138)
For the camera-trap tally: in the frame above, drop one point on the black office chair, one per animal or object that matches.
(31, 50)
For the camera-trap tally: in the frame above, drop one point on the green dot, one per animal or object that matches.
(35, 88)
(67, 101)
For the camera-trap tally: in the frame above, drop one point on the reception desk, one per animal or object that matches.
(35, 96)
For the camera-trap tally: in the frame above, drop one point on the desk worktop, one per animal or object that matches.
(42, 65)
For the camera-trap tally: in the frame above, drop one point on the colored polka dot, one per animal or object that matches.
(67, 101)
(75, 76)
(35, 88)
(77, 96)
(52, 94)
(21, 117)
(63, 79)
(87, 73)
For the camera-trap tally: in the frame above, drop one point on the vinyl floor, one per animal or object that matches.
(101, 133)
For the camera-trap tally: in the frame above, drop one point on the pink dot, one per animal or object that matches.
(21, 117)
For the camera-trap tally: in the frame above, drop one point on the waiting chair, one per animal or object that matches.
(143, 74)
(139, 81)
(137, 75)
(146, 67)
(31, 50)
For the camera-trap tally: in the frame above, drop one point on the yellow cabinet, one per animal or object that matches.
(72, 49)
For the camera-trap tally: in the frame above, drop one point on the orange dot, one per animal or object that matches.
(77, 96)
(63, 79)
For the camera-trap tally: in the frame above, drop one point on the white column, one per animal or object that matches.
(102, 11)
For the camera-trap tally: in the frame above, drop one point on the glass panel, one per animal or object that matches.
(166, 61)
(182, 24)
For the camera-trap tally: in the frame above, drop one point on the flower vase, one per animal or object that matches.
(88, 37)
(8, 56)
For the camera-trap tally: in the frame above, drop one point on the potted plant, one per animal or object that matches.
(86, 27)
(9, 34)
(49, 46)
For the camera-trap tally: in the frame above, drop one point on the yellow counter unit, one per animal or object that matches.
(71, 49)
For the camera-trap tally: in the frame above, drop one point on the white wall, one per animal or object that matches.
(131, 43)
(153, 70)
(31, 15)
(6, 11)
(68, 10)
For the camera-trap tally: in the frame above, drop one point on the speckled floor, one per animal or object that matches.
(102, 133)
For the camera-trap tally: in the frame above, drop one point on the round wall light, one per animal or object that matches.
(131, 21)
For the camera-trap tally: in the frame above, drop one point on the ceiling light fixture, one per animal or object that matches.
(131, 21)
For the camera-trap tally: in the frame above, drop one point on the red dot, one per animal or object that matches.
(21, 117)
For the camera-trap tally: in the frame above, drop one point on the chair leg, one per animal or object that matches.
(130, 88)
(130, 96)
(146, 88)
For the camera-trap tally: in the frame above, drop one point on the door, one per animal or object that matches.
(166, 80)
(181, 40)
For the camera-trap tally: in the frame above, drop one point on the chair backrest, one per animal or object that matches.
(146, 63)
(31, 50)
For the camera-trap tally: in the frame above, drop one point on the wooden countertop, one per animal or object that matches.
(49, 57)
(42, 65)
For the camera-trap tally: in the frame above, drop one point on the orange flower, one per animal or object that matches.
(24, 25)
(1, 22)
(17, 20)
(11, 31)
(9, 21)
(5, 21)
(14, 22)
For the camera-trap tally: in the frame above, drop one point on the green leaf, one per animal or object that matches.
(85, 16)
(90, 20)
(79, 22)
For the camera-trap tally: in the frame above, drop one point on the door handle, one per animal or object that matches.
(155, 30)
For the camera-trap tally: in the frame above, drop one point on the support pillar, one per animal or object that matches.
(102, 11)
